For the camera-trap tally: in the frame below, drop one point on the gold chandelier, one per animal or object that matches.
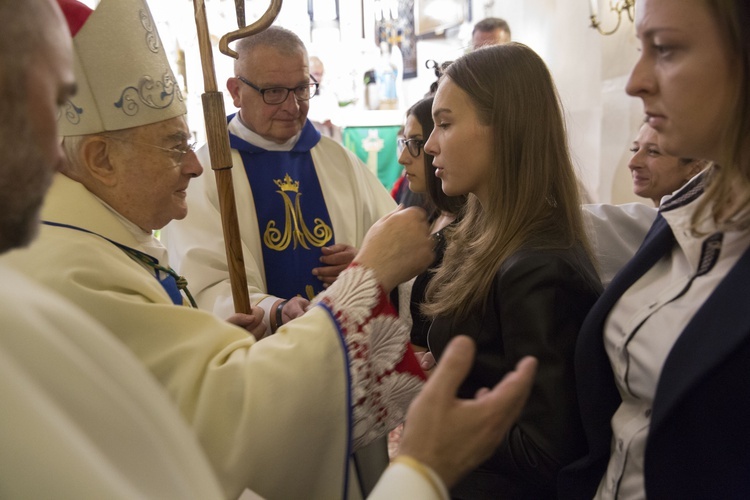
(619, 7)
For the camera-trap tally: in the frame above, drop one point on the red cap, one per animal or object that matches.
(75, 13)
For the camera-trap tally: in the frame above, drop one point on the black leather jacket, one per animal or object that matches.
(535, 307)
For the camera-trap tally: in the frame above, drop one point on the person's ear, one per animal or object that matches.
(96, 161)
(233, 86)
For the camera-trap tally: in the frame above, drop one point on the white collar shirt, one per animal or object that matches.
(643, 326)
(237, 127)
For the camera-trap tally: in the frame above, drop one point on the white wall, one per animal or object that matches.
(590, 69)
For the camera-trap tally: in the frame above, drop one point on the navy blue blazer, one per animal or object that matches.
(699, 439)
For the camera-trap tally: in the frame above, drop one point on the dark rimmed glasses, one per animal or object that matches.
(178, 154)
(277, 95)
(413, 145)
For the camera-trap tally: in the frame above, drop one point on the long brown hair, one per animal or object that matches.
(534, 200)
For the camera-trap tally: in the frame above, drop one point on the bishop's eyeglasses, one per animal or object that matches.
(177, 154)
(413, 145)
(277, 95)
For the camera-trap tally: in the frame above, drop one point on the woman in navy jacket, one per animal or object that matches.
(663, 359)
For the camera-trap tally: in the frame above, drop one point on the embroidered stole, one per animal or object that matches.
(293, 218)
(167, 277)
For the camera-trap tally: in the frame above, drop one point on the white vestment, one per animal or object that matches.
(615, 233)
(81, 417)
(355, 199)
(273, 416)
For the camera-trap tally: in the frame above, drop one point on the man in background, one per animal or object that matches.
(324, 109)
(490, 31)
(304, 202)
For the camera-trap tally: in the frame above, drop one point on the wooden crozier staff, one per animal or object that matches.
(218, 138)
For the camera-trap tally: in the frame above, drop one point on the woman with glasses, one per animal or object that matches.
(517, 274)
(441, 208)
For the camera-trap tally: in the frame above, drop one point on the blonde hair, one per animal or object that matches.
(733, 165)
(534, 200)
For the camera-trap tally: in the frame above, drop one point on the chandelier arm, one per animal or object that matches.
(598, 26)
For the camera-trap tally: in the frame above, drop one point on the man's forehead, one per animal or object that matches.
(497, 35)
(173, 129)
(283, 78)
(269, 63)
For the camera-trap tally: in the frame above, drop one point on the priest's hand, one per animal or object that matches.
(252, 322)
(453, 436)
(397, 247)
(335, 259)
(293, 308)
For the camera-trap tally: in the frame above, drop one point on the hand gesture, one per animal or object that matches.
(335, 259)
(397, 247)
(453, 436)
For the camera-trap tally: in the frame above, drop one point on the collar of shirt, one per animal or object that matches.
(238, 128)
(147, 243)
(679, 220)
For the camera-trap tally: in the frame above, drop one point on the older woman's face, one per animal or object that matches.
(684, 76)
(656, 174)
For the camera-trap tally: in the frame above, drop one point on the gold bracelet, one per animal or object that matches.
(422, 469)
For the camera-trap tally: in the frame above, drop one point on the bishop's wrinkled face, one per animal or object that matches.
(151, 182)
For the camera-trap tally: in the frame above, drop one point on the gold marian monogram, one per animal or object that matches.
(295, 229)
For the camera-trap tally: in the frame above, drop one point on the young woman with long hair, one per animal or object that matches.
(442, 209)
(517, 275)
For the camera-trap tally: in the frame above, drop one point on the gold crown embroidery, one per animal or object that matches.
(287, 184)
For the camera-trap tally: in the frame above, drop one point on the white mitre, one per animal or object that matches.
(123, 75)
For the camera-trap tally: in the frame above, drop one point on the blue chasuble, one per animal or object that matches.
(292, 215)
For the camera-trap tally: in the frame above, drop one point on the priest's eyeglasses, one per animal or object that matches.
(277, 95)
(413, 145)
(178, 154)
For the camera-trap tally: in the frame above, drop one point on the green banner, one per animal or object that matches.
(377, 148)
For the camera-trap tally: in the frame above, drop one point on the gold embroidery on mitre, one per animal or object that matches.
(295, 229)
